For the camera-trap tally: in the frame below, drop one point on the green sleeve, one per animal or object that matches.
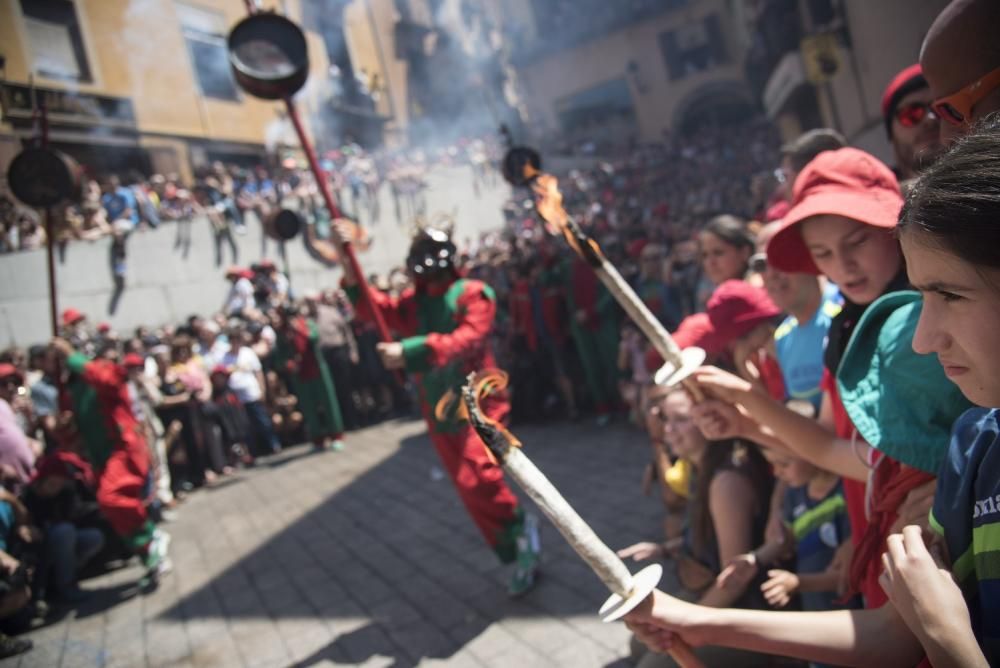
(77, 362)
(416, 352)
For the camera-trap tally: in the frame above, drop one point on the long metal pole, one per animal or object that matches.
(346, 250)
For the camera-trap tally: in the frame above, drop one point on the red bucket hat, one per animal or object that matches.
(734, 310)
(847, 182)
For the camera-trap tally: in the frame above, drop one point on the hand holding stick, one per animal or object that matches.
(627, 591)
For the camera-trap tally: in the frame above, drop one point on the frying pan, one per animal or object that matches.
(268, 56)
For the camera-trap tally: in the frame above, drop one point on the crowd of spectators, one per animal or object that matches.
(229, 196)
(833, 456)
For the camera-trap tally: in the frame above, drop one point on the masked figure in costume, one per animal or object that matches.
(445, 322)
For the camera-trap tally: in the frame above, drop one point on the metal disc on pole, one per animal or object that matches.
(268, 56)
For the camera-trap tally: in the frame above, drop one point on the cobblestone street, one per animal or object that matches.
(366, 557)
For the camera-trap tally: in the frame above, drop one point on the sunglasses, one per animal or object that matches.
(956, 109)
(913, 114)
(758, 263)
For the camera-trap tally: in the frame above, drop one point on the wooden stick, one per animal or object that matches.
(607, 565)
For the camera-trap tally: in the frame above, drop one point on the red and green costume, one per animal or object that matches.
(597, 337)
(115, 445)
(446, 332)
(298, 344)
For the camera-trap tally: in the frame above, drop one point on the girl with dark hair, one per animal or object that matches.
(726, 247)
(725, 517)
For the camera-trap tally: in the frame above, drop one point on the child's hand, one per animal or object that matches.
(738, 573)
(722, 385)
(921, 588)
(642, 551)
(717, 420)
(779, 587)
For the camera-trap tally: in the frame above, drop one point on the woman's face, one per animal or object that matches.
(959, 319)
(720, 260)
(679, 431)
(859, 258)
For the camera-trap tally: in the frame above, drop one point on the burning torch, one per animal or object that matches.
(522, 167)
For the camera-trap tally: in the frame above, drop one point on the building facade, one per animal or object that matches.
(614, 73)
(826, 63)
(139, 85)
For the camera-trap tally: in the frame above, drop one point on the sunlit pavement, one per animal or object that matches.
(366, 557)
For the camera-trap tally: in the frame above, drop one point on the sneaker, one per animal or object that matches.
(337, 445)
(13, 646)
(157, 562)
(529, 549)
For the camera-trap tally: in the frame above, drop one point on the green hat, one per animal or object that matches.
(899, 401)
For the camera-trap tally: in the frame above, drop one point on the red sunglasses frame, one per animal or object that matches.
(901, 113)
(955, 109)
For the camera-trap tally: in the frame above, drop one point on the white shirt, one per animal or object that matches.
(240, 296)
(243, 367)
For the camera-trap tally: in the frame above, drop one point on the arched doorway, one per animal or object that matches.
(721, 103)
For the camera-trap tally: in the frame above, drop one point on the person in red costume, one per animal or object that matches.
(445, 322)
(117, 450)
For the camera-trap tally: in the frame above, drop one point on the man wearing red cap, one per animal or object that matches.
(911, 124)
(116, 448)
(74, 330)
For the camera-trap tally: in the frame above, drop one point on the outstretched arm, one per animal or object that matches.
(476, 308)
(769, 423)
(840, 637)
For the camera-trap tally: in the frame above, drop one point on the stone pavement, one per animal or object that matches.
(366, 557)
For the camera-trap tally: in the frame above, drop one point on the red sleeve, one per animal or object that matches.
(399, 312)
(476, 311)
(103, 375)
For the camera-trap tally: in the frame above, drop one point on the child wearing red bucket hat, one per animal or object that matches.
(846, 204)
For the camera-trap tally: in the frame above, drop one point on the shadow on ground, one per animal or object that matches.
(368, 556)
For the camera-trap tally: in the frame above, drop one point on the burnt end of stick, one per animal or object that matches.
(520, 165)
(492, 435)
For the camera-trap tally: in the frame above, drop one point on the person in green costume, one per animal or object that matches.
(297, 351)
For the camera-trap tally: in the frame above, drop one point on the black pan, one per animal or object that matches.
(283, 225)
(268, 55)
(42, 177)
(521, 165)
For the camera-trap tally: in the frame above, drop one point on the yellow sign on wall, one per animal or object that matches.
(820, 56)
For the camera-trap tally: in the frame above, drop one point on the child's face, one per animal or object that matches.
(859, 258)
(792, 470)
(722, 261)
(682, 436)
(959, 319)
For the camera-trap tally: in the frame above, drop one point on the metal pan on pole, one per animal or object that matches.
(44, 177)
(268, 56)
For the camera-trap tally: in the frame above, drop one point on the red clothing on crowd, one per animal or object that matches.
(522, 321)
(122, 478)
(854, 490)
